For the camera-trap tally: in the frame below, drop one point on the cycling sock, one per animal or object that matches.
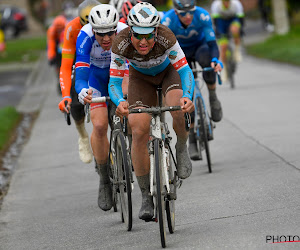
(102, 170)
(192, 136)
(212, 95)
(81, 128)
(181, 143)
(144, 183)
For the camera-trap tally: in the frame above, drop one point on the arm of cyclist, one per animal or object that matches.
(180, 63)
(82, 66)
(117, 71)
(68, 55)
(51, 45)
(210, 38)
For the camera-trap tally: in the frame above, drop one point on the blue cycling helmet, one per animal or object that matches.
(184, 5)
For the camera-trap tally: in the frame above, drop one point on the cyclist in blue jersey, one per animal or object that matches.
(193, 29)
(155, 58)
(93, 56)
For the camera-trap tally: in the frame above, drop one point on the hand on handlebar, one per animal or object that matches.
(85, 96)
(122, 109)
(65, 105)
(216, 64)
(187, 106)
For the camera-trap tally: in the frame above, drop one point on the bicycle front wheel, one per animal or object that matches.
(124, 179)
(203, 130)
(170, 202)
(160, 201)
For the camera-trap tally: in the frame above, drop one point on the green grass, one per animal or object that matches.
(9, 118)
(23, 50)
(282, 48)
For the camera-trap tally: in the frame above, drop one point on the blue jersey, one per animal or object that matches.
(199, 30)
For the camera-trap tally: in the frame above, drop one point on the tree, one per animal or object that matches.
(280, 13)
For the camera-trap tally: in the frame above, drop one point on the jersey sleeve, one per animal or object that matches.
(51, 43)
(179, 62)
(215, 10)
(82, 66)
(68, 55)
(240, 10)
(117, 71)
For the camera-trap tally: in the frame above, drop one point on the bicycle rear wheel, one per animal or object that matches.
(160, 201)
(203, 130)
(123, 179)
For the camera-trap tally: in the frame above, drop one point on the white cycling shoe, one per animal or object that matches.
(85, 151)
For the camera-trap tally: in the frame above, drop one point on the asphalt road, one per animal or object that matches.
(252, 193)
(12, 87)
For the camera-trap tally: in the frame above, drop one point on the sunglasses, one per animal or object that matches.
(141, 36)
(110, 33)
(184, 13)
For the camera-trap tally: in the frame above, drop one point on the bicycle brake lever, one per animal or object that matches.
(87, 113)
(67, 115)
(219, 78)
(187, 121)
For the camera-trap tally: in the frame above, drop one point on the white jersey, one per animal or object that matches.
(219, 11)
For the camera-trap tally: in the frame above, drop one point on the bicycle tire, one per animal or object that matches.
(160, 202)
(230, 68)
(112, 177)
(203, 132)
(170, 203)
(123, 179)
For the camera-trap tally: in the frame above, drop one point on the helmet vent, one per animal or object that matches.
(98, 13)
(107, 13)
(136, 19)
(92, 19)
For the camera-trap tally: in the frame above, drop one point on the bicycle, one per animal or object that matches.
(119, 167)
(163, 179)
(231, 65)
(203, 125)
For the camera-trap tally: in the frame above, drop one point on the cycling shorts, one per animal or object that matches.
(142, 88)
(224, 25)
(98, 82)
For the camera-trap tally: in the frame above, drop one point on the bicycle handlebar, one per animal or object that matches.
(207, 69)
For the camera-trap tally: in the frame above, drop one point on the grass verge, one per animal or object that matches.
(23, 50)
(9, 118)
(282, 48)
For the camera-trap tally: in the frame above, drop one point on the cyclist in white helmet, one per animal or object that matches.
(93, 55)
(155, 58)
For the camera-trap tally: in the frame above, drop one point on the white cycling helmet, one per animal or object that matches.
(143, 18)
(117, 4)
(104, 18)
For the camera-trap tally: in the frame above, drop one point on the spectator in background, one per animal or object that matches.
(265, 11)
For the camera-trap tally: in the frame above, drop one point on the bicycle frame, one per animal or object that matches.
(197, 93)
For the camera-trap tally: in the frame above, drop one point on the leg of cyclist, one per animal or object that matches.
(172, 90)
(100, 146)
(77, 111)
(139, 124)
(140, 127)
(203, 57)
(99, 140)
(184, 164)
(235, 29)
